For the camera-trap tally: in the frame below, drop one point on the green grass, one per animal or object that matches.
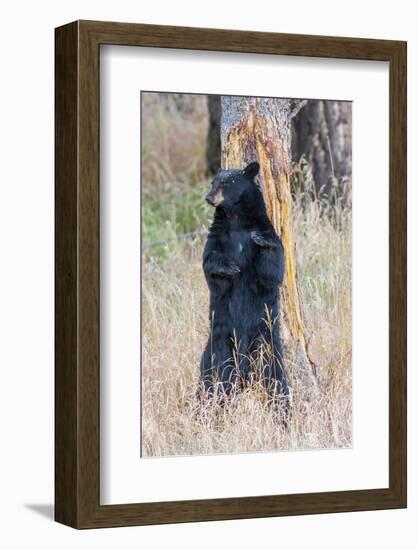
(172, 214)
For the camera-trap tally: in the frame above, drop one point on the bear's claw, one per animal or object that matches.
(262, 241)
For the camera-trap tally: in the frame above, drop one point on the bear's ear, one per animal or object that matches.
(251, 170)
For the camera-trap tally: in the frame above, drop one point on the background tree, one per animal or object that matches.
(213, 134)
(260, 129)
(322, 132)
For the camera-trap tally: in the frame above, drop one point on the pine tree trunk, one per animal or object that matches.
(322, 132)
(260, 129)
(213, 134)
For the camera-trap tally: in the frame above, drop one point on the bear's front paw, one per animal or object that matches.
(228, 270)
(264, 241)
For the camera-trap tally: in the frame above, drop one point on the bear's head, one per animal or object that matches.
(229, 187)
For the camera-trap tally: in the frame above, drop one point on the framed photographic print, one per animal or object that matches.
(230, 274)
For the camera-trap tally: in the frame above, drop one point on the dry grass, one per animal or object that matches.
(175, 329)
(174, 129)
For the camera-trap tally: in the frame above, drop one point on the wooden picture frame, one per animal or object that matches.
(77, 374)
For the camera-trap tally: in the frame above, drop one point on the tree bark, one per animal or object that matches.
(260, 129)
(322, 132)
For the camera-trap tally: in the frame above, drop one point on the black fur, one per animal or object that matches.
(244, 265)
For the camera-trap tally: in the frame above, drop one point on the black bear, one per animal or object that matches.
(243, 262)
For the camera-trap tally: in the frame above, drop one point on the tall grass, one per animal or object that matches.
(174, 131)
(175, 329)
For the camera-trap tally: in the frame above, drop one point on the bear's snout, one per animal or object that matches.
(215, 198)
(209, 199)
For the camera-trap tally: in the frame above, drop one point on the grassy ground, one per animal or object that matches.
(175, 329)
(175, 325)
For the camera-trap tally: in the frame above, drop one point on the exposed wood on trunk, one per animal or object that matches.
(260, 129)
